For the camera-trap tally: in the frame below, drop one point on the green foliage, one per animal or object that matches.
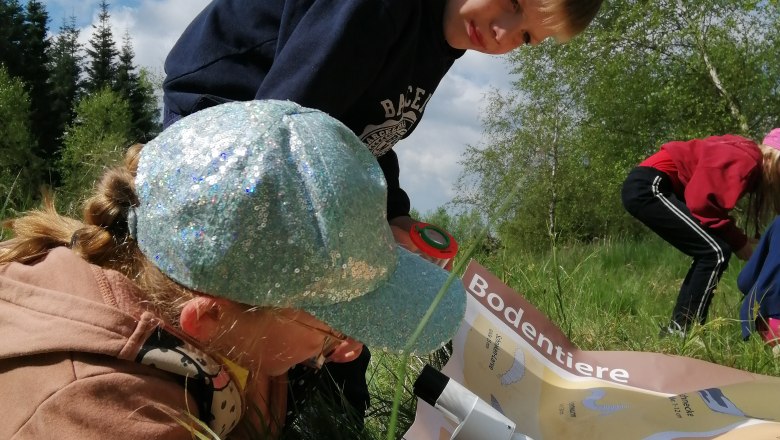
(705, 67)
(96, 140)
(19, 167)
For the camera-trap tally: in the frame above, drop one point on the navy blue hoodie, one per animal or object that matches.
(372, 64)
(759, 281)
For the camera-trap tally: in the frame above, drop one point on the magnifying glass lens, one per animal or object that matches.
(435, 236)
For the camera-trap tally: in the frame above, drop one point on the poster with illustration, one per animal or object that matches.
(515, 359)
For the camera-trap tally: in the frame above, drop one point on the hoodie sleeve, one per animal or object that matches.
(398, 203)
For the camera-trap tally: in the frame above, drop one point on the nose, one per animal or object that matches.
(509, 32)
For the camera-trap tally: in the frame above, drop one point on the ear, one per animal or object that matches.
(200, 318)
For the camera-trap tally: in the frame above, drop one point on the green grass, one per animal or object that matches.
(617, 294)
(612, 295)
(10, 207)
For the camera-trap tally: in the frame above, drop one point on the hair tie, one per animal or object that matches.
(73, 239)
(132, 222)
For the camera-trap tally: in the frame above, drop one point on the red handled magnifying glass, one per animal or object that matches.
(434, 242)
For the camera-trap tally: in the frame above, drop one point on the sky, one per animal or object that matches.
(430, 157)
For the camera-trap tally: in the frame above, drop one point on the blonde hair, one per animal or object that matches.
(764, 202)
(101, 238)
(568, 18)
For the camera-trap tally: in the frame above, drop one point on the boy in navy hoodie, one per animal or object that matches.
(372, 64)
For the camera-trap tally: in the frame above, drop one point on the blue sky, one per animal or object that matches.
(429, 157)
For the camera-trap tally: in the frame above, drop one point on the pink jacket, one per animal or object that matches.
(69, 350)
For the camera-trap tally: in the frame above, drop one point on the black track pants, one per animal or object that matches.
(647, 195)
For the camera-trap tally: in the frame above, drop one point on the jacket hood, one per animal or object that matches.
(61, 311)
(63, 303)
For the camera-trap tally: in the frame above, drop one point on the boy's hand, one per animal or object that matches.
(401, 227)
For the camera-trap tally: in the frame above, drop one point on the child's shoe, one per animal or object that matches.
(673, 329)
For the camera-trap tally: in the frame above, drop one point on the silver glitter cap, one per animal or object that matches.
(269, 203)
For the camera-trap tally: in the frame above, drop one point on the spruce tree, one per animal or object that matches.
(11, 36)
(126, 77)
(35, 73)
(65, 58)
(136, 89)
(149, 120)
(102, 53)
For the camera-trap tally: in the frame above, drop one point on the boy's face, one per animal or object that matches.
(494, 26)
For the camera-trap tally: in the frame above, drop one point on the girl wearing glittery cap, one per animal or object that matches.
(685, 193)
(245, 239)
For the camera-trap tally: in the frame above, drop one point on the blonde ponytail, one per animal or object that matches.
(764, 203)
(101, 238)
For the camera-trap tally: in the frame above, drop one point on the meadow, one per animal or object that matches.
(610, 295)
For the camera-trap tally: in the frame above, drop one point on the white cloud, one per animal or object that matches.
(63, 10)
(162, 23)
(429, 157)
